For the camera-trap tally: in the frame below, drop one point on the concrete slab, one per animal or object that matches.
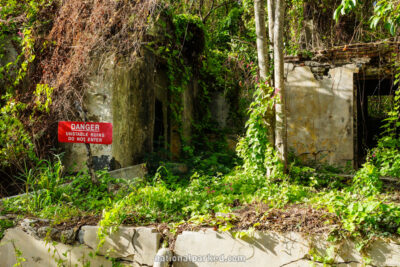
(38, 253)
(139, 244)
(265, 249)
(130, 173)
(277, 249)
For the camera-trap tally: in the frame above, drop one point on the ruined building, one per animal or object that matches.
(334, 99)
(330, 99)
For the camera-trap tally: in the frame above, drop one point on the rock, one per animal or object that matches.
(39, 253)
(26, 225)
(139, 244)
(68, 236)
(47, 231)
(130, 173)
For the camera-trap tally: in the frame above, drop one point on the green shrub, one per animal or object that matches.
(16, 146)
(386, 156)
(4, 225)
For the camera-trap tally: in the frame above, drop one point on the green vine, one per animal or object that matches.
(17, 30)
(255, 149)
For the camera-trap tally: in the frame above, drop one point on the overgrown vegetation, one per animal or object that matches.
(46, 48)
(218, 185)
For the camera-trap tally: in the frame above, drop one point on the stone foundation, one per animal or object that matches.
(138, 246)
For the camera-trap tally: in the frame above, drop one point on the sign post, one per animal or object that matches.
(85, 133)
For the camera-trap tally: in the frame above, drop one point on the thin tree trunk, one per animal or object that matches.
(263, 58)
(280, 107)
(271, 19)
(262, 41)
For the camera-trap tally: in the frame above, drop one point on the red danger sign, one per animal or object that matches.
(85, 132)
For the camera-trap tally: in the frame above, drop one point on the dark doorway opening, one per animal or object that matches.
(375, 98)
(158, 138)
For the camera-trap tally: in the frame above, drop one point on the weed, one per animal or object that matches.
(4, 225)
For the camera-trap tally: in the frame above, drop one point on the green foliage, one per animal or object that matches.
(224, 61)
(15, 143)
(19, 19)
(182, 22)
(13, 29)
(228, 27)
(385, 11)
(367, 180)
(345, 7)
(18, 256)
(386, 156)
(254, 148)
(165, 198)
(388, 12)
(211, 52)
(4, 225)
(43, 97)
(163, 202)
(361, 207)
(362, 216)
(50, 193)
(173, 52)
(295, 19)
(379, 106)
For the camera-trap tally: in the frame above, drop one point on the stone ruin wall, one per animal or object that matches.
(322, 101)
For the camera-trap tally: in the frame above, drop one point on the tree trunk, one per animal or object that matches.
(262, 41)
(271, 19)
(280, 107)
(263, 59)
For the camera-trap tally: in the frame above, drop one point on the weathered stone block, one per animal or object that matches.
(38, 253)
(280, 249)
(138, 244)
(130, 173)
(265, 249)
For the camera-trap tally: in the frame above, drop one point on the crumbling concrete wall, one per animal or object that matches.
(220, 108)
(97, 103)
(320, 112)
(133, 107)
(123, 95)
